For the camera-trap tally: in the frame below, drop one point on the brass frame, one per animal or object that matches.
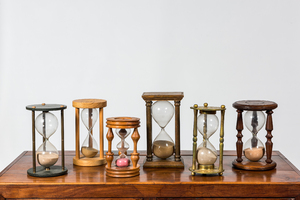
(195, 169)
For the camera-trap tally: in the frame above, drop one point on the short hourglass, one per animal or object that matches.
(254, 150)
(207, 123)
(162, 113)
(122, 146)
(46, 155)
(123, 166)
(160, 151)
(87, 152)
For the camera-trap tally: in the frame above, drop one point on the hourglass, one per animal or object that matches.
(123, 166)
(161, 150)
(206, 155)
(254, 149)
(89, 117)
(46, 155)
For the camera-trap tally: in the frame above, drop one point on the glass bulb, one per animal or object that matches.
(207, 124)
(46, 124)
(254, 121)
(162, 112)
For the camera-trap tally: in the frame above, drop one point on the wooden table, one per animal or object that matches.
(283, 182)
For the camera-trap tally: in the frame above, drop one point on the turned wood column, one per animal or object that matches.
(269, 128)
(177, 131)
(239, 143)
(149, 130)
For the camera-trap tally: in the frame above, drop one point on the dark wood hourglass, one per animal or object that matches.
(162, 152)
(254, 150)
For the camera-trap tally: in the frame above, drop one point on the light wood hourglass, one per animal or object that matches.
(89, 149)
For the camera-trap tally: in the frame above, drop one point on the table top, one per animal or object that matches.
(162, 181)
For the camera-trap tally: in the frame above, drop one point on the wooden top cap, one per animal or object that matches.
(161, 96)
(123, 122)
(89, 103)
(254, 105)
(46, 107)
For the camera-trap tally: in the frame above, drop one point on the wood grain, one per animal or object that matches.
(91, 182)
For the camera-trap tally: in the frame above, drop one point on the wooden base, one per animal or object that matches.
(89, 162)
(122, 172)
(254, 166)
(163, 163)
(41, 172)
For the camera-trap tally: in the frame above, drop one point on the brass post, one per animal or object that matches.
(221, 139)
(195, 137)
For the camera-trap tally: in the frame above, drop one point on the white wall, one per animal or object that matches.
(214, 51)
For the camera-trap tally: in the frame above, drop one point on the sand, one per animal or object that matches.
(163, 149)
(122, 162)
(89, 151)
(47, 159)
(206, 156)
(254, 154)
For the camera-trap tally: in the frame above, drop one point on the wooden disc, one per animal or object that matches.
(89, 103)
(254, 105)
(89, 162)
(254, 166)
(123, 122)
(123, 172)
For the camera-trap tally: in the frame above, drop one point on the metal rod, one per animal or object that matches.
(33, 143)
(62, 141)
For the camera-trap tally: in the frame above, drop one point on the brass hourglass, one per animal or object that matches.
(206, 154)
(254, 150)
(160, 152)
(47, 155)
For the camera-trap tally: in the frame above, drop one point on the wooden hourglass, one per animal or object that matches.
(89, 147)
(254, 149)
(47, 155)
(206, 155)
(160, 152)
(123, 127)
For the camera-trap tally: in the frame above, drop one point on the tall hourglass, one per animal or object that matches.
(46, 124)
(162, 113)
(89, 147)
(87, 152)
(163, 151)
(46, 155)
